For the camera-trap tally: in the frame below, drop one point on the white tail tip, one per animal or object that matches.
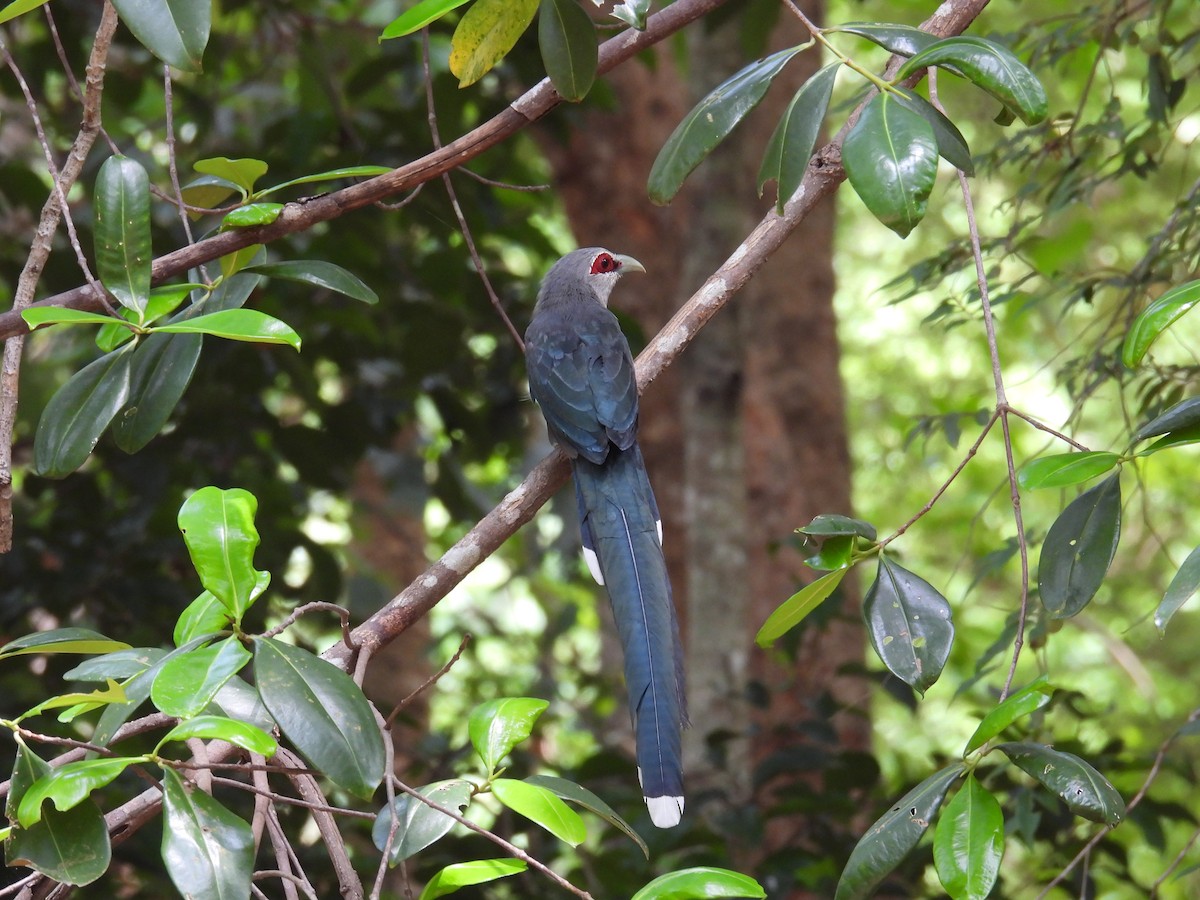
(665, 812)
(593, 564)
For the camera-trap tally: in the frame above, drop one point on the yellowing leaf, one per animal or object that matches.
(485, 35)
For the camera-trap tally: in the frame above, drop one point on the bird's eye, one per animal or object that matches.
(604, 262)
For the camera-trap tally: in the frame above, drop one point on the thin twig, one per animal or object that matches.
(315, 606)
(172, 163)
(429, 682)
(293, 801)
(504, 185)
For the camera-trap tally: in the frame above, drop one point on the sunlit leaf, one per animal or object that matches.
(112, 693)
(206, 849)
(569, 790)
(567, 38)
(1079, 548)
(237, 325)
(221, 728)
(122, 231)
(792, 611)
(186, 685)
(1181, 589)
(1066, 469)
(330, 175)
(632, 13)
(69, 785)
(19, 8)
(543, 807)
(118, 664)
(461, 875)
(1018, 705)
(790, 147)
(1157, 318)
(1086, 792)
(699, 882)
(61, 640)
(241, 172)
(499, 725)
(319, 274)
(418, 16)
(909, 625)
(218, 528)
(968, 842)
(37, 316)
(1181, 437)
(176, 31)
(204, 615)
(417, 824)
(252, 214)
(485, 34)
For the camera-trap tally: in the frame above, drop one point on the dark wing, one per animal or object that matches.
(581, 374)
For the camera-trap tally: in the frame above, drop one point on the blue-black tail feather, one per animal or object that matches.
(622, 539)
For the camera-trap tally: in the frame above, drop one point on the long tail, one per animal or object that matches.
(622, 540)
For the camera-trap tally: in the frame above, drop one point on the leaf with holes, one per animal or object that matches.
(891, 157)
(417, 824)
(1086, 792)
(909, 624)
(1181, 589)
(700, 882)
(1157, 318)
(207, 850)
(567, 38)
(499, 725)
(710, 122)
(968, 842)
(1066, 469)
(1079, 548)
(791, 145)
(485, 34)
(176, 31)
(894, 835)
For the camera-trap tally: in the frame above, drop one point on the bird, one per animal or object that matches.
(582, 377)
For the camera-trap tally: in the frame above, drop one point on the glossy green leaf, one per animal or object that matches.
(122, 231)
(323, 713)
(240, 700)
(988, 65)
(185, 686)
(894, 834)
(569, 790)
(69, 785)
(71, 847)
(495, 727)
(206, 849)
(61, 640)
(570, 52)
(76, 416)
(891, 157)
(1185, 414)
(632, 13)
(232, 293)
(1065, 469)
(118, 664)
(1086, 792)
(903, 40)
(418, 16)
(221, 728)
(163, 366)
(1079, 548)
(710, 122)
(831, 524)
(163, 301)
(237, 325)
(19, 8)
(111, 693)
(243, 173)
(461, 875)
(418, 824)
(1181, 589)
(909, 625)
(218, 528)
(792, 611)
(330, 175)
(485, 34)
(952, 146)
(252, 214)
(968, 842)
(699, 882)
(1181, 437)
(208, 192)
(1157, 318)
(204, 615)
(1016, 706)
(319, 274)
(790, 147)
(543, 807)
(36, 316)
(232, 263)
(176, 31)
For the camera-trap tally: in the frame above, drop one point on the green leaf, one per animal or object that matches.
(19, 8)
(206, 849)
(1157, 318)
(118, 664)
(499, 725)
(1065, 469)
(792, 611)
(218, 528)
(241, 701)
(252, 214)
(1079, 548)
(1184, 414)
(320, 274)
(240, 172)
(1086, 792)
(790, 147)
(112, 693)
(485, 34)
(237, 325)
(123, 253)
(78, 413)
(909, 624)
(1181, 437)
(330, 175)
(710, 122)
(1018, 705)
(186, 685)
(894, 835)
(968, 842)
(205, 615)
(890, 157)
(176, 31)
(419, 825)
(990, 66)
(543, 807)
(632, 13)
(699, 882)
(568, 790)
(1181, 589)
(952, 146)
(833, 525)
(36, 316)
(570, 53)
(323, 713)
(418, 16)
(903, 40)
(163, 366)
(70, 847)
(208, 192)
(69, 785)
(163, 301)
(461, 875)
(61, 640)
(221, 728)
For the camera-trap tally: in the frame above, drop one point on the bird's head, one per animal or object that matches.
(595, 268)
